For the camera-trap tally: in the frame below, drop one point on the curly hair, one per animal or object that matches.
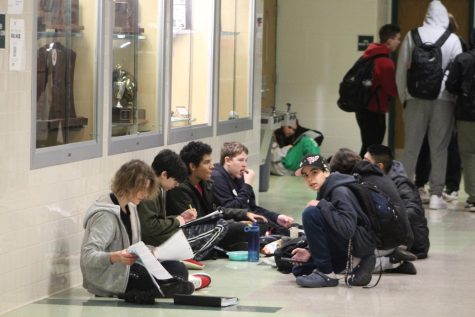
(169, 161)
(193, 152)
(232, 149)
(344, 161)
(133, 177)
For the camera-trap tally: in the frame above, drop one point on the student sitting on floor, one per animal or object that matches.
(111, 226)
(233, 186)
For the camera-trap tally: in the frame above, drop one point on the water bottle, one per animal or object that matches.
(253, 242)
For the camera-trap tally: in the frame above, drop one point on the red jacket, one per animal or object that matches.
(384, 76)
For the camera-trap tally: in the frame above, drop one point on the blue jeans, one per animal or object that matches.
(328, 248)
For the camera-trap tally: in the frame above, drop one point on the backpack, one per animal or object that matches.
(424, 77)
(356, 89)
(284, 253)
(379, 217)
(467, 88)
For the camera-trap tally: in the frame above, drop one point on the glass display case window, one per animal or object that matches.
(191, 74)
(135, 85)
(235, 63)
(65, 70)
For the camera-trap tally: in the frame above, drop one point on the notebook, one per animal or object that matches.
(210, 301)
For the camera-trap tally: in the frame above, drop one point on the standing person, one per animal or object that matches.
(462, 83)
(197, 191)
(423, 114)
(372, 121)
(233, 186)
(111, 226)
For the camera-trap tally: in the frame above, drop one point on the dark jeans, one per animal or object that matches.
(454, 165)
(372, 128)
(328, 249)
(140, 279)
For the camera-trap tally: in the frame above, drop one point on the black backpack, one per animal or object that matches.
(356, 89)
(424, 77)
(379, 217)
(467, 88)
(284, 253)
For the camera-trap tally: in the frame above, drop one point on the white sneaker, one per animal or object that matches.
(437, 202)
(450, 197)
(423, 194)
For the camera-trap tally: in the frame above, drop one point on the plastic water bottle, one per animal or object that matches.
(253, 242)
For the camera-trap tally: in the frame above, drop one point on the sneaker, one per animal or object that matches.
(437, 202)
(450, 196)
(316, 279)
(177, 286)
(193, 264)
(399, 255)
(363, 271)
(424, 195)
(470, 207)
(200, 280)
(404, 268)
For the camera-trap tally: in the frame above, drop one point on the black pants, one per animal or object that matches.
(453, 174)
(372, 128)
(140, 279)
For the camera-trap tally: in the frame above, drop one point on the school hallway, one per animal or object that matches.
(443, 286)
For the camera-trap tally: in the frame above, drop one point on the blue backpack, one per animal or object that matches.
(379, 216)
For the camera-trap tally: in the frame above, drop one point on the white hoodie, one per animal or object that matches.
(435, 24)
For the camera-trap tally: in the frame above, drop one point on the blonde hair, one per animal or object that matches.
(133, 177)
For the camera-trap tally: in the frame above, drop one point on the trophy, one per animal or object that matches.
(119, 89)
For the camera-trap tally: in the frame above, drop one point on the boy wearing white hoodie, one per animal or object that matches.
(421, 115)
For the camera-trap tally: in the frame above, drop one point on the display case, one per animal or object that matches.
(236, 35)
(135, 86)
(65, 71)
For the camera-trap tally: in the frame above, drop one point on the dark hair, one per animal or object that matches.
(193, 152)
(344, 160)
(232, 149)
(169, 161)
(381, 154)
(453, 25)
(133, 177)
(388, 31)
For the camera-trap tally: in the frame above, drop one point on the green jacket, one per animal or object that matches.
(155, 224)
(303, 146)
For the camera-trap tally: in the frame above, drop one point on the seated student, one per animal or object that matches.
(382, 156)
(197, 191)
(347, 161)
(157, 227)
(288, 148)
(330, 224)
(233, 186)
(111, 226)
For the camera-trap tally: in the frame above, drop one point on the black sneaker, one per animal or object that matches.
(139, 297)
(404, 268)
(399, 255)
(316, 279)
(178, 286)
(363, 271)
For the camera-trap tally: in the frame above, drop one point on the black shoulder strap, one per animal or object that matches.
(443, 38)
(416, 37)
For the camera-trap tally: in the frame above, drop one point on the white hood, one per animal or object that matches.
(437, 15)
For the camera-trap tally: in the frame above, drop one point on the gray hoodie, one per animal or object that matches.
(105, 233)
(435, 24)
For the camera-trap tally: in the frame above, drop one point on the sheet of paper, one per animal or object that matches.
(149, 261)
(17, 45)
(204, 218)
(15, 6)
(175, 248)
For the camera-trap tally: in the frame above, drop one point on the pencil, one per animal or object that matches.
(190, 206)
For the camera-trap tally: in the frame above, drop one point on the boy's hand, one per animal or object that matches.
(248, 176)
(285, 221)
(313, 203)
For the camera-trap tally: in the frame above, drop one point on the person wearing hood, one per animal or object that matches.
(111, 226)
(432, 116)
(233, 186)
(331, 226)
(372, 121)
(460, 82)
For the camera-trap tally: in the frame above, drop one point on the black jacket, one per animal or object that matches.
(181, 198)
(234, 193)
(372, 174)
(415, 211)
(461, 74)
(341, 210)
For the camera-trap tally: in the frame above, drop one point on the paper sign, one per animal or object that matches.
(15, 6)
(17, 44)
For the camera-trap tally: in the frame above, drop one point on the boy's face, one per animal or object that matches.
(393, 42)
(237, 165)
(369, 158)
(168, 183)
(289, 130)
(314, 177)
(203, 171)
(140, 195)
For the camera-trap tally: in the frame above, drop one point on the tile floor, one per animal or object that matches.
(444, 285)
